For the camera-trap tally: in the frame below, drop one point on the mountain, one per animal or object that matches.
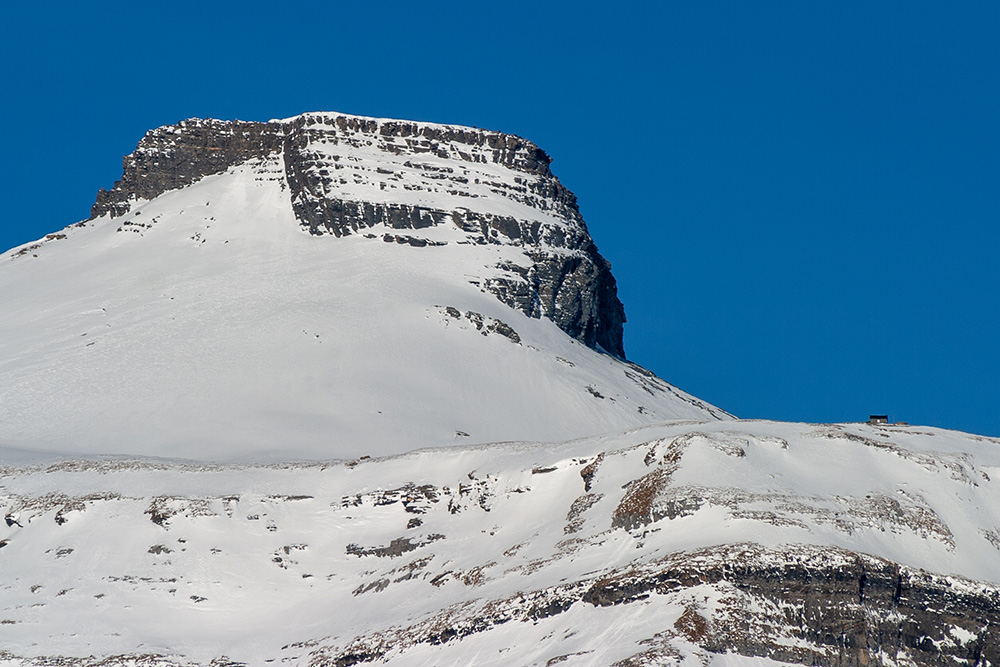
(325, 286)
(741, 543)
(337, 391)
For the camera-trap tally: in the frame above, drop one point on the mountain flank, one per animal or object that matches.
(320, 287)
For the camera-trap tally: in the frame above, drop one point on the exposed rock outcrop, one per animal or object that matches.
(350, 173)
(822, 606)
(805, 605)
(173, 156)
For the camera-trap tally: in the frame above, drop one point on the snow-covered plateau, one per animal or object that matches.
(337, 390)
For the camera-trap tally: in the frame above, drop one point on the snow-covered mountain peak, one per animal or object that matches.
(321, 287)
(352, 173)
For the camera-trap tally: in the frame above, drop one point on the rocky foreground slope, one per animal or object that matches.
(694, 543)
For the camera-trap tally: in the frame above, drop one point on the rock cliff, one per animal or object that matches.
(348, 174)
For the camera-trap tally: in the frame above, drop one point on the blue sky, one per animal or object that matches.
(800, 200)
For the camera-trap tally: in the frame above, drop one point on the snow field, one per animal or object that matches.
(243, 560)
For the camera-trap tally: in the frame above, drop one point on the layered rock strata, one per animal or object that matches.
(803, 604)
(350, 173)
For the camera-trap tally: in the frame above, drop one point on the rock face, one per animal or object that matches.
(839, 608)
(803, 605)
(350, 173)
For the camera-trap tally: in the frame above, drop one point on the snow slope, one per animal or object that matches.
(208, 324)
(512, 554)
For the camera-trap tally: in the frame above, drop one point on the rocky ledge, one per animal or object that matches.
(801, 604)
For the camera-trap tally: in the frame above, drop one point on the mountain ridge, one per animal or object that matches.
(722, 543)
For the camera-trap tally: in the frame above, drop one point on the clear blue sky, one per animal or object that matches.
(801, 200)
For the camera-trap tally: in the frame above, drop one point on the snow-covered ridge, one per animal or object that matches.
(516, 554)
(325, 116)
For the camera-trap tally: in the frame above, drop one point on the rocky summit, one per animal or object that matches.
(347, 174)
